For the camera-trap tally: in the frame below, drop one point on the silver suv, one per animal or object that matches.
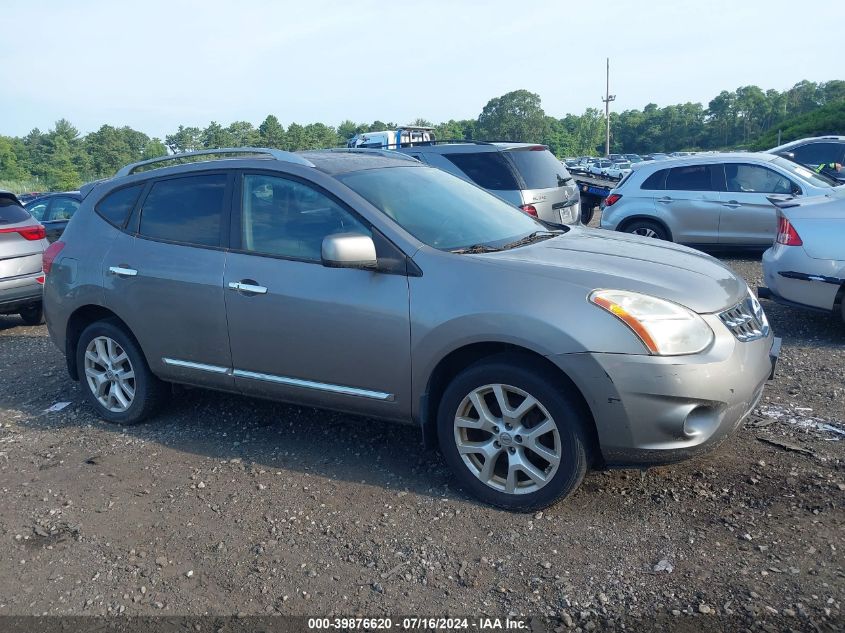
(22, 241)
(367, 282)
(525, 174)
(712, 200)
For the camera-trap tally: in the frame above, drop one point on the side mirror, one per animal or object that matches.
(349, 250)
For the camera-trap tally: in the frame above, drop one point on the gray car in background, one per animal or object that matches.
(709, 200)
(805, 267)
(367, 282)
(22, 241)
(525, 174)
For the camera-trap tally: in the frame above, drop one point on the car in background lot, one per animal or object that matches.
(618, 169)
(600, 167)
(806, 265)
(715, 200)
(54, 211)
(22, 241)
(367, 282)
(656, 156)
(812, 152)
(525, 174)
(23, 198)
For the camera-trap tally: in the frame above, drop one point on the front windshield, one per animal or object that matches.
(439, 209)
(807, 175)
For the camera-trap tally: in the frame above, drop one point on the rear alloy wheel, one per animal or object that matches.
(115, 376)
(32, 315)
(645, 228)
(512, 434)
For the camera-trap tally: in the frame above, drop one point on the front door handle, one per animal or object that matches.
(248, 286)
(122, 271)
(664, 199)
(731, 204)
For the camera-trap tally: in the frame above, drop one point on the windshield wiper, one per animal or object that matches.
(536, 236)
(476, 248)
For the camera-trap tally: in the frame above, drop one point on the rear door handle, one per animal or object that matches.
(122, 271)
(731, 204)
(664, 199)
(248, 286)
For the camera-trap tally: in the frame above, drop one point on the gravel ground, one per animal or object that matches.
(226, 505)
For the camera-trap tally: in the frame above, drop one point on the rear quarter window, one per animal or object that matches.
(117, 205)
(656, 182)
(488, 170)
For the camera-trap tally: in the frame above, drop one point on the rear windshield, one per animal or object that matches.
(488, 170)
(11, 212)
(539, 169)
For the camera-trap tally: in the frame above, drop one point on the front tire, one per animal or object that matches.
(32, 315)
(512, 434)
(114, 375)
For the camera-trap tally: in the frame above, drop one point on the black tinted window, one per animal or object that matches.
(486, 169)
(116, 206)
(11, 212)
(818, 153)
(656, 181)
(539, 168)
(186, 209)
(62, 209)
(689, 178)
(287, 218)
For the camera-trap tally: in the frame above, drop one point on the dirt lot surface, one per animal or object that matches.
(226, 505)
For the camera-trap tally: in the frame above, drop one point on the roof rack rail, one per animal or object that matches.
(277, 154)
(370, 150)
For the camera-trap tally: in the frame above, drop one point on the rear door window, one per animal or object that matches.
(116, 206)
(690, 178)
(38, 208)
(187, 210)
(62, 209)
(488, 170)
(539, 168)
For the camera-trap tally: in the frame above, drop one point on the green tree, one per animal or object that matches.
(154, 149)
(186, 139)
(242, 134)
(271, 133)
(62, 174)
(515, 116)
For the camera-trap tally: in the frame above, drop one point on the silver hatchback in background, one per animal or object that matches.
(525, 174)
(711, 200)
(22, 241)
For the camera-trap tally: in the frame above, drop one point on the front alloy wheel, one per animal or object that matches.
(109, 374)
(507, 439)
(514, 432)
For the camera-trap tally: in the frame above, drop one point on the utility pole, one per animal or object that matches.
(607, 99)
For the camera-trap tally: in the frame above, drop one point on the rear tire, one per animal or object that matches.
(114, 375)
(534, 453)
(647, 228)
(32, 315)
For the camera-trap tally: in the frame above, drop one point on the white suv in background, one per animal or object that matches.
(709, 200)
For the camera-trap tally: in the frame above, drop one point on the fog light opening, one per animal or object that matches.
(699, 421)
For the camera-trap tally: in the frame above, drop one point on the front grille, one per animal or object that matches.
(746, 320)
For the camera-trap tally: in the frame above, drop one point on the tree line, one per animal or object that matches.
(61, 158)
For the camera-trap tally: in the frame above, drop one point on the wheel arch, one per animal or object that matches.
(81, 318)
(459, 359)
(647, 218)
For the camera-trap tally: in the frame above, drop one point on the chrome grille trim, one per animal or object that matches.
(746, 320)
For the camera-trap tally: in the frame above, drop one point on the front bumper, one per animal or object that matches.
(659, 409)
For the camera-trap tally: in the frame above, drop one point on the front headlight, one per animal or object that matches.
(665, 328)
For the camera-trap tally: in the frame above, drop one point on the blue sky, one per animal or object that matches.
(153, 65)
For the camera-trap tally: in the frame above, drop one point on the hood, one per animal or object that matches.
(595, 258)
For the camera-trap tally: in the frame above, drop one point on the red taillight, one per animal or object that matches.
(787, 235)
(40, 279)
(50, 255)
(530, 209)
(612, 199)
(30, 233)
